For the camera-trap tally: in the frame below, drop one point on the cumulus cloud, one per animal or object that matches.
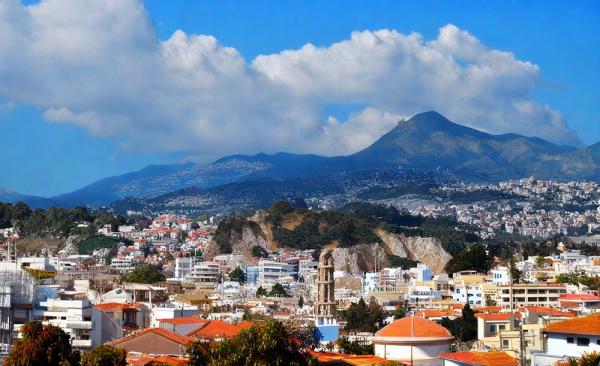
(99, 65)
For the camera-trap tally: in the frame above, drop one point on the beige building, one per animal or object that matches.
(530, 294)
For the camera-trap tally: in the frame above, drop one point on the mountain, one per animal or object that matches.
(426, 142)
(32, 201)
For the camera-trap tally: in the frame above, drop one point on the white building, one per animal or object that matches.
(206, 274)
(415, 339)
(123, 264)
(501, 275)
(569, 338)
(74, 317)
(183, 266)
(271, 272)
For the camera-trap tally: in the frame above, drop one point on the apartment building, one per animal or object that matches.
(205, 274)
(183, 266)
(74, 317)
(530, 294)
(271, 272)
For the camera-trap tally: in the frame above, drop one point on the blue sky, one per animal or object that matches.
(45, 155)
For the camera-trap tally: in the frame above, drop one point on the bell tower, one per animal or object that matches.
(325, 310)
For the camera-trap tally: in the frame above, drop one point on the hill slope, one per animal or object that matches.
(32, 201)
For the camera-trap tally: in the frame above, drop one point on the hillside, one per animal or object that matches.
(358, 241)
(9, 196)
(426, 142)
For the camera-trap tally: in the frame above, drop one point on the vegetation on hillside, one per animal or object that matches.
(55, 222)
(144, 274)
(319, 228)
(91, 243)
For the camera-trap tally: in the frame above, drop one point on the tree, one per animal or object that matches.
(301, 301)
(400, 312)
(474, 257)
(278, 291)
(354, 347)
(238, 275)
(267, 344)
(260, 292)
(144, 274)
(464, 329)
(515, 274)
(259, 252)
(199, 352)
(363, 317)
(540, 262)
(587, 359)
(104, 355)
(42, 345)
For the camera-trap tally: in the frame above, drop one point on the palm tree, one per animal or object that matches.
(587, 359)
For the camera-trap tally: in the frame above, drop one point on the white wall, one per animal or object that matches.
(428, 353)
(557, 344)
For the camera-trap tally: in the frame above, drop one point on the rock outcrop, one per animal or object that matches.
(357, 258)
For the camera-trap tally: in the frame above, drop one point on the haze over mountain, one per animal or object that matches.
(9, 196)
(428, 141)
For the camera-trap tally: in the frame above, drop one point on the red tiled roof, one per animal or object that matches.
(414, 327)
(549, 311)
(579, 297)
(481, 358)
(217, 329)
(487, 309)
(326, 358)
(498, 316)
(585, 325)
(185, 320)
(161, 360)
(183, 340)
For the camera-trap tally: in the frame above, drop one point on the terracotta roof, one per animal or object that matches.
(112, 306)
(161, 360)
(217, 329)
(435, 313)
(326, 358)
(185, 320)
(481, 358)
(183, 340)
(498, 316)
(585, 325)
(416, 327)
(487, 309)
(579, 297)
(549, 311)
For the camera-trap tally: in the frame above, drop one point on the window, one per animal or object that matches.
(493, 328)
(505, 343)
(583, 342)
(569, 339)
(502, 327)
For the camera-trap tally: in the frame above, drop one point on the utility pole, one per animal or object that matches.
(522, 345)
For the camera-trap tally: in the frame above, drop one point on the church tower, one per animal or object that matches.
(325, 311)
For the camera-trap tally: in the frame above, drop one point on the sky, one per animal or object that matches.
(93, 88)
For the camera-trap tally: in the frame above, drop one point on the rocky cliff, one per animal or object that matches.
(361, 257)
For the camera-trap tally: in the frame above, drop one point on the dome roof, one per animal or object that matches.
(414, 327)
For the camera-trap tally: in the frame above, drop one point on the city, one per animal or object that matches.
(299, 183)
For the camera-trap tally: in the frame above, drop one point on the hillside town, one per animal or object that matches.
(528, 207)
(158, 294)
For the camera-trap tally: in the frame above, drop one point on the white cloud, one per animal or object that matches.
(98, 64)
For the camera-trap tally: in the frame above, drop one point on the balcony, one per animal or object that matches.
(79, 324)
(81, 343)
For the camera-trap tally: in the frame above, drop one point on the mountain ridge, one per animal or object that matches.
(428, 141)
